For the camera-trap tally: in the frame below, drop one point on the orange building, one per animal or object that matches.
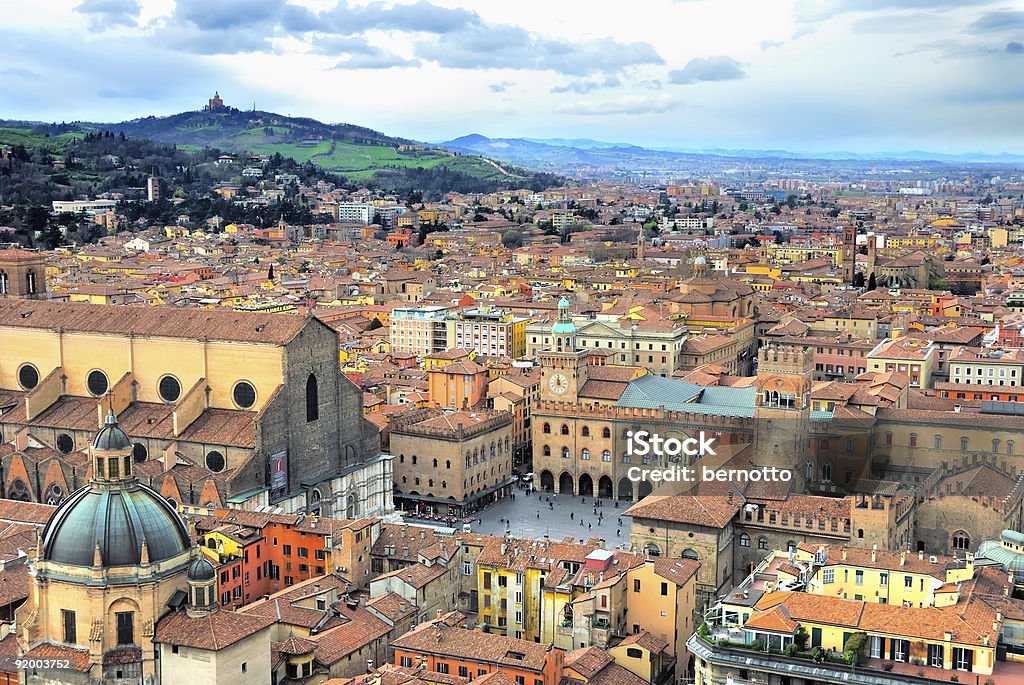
(446, 646)
(460, 384)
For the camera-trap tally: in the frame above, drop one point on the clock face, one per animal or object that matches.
(558, 383)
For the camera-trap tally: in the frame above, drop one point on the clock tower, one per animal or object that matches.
(563, 365)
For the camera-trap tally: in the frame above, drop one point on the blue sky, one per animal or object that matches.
(803, 75)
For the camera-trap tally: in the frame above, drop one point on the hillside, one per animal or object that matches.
(358, 153)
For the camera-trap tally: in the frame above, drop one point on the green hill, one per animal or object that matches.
(356, 152)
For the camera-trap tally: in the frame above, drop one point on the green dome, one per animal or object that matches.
(111, 438)
(201, 569)
(118, 520)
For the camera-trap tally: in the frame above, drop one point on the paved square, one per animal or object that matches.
(538, 514)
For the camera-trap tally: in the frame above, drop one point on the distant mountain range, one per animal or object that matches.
(566, 153)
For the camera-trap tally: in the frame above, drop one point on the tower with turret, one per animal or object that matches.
(782, 409)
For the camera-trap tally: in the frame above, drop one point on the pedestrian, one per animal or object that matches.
(538, 513)
(620, 521)
(572, 515)
(583, 499)
(581, 523)
(618, 532)
(589, 527)
(595, 511)
(551, 506)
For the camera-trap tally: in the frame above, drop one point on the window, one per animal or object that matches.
(858, 577)
(963, 659)
(28, 376)
(900, 650)
(828, 576)
(961, 540)
(442, 667)
(585, 432)
(908, 581)
(963, 444)
(938, 442)
(636, 585)
(547, 428)
(564, 429)
(125, 627)
(762, 543)
(65, 443)
(215, 461)
(139, 452)
(169, 389)
(286, 550)
(744, 540)
(406, 661)
(68, 619)
(244, 394)
(913, 439)
(935, 656)
(664, 589)
(312, 399)
(97, 383)
(883, 579)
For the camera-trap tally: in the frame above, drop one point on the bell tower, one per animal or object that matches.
(782, 409)
(22, 274)
(563, 365)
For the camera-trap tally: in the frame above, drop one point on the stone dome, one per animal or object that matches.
(118, 520)
(111, 438)
(201, 569)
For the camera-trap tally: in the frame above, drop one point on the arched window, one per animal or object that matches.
(547, 450)
(414, 460)
(492, 449)
(447, 464)
(3, 282)
(652, 549)
(312, 399)
(995, 446)
(565, 453)
(1009, 446)
(606, 432)
(692, 554)
(585, 432)
(762, 542)
(963, 444)
(565, 429)
(860, 532)
(606, 456)
(435, 463)
(913, 439)
(744, 540)
(547, 428)
(826, 472)
(585, 454)
(938, 441)
(30, 281)
(961, 541)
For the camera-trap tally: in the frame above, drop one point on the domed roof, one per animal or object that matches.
(563, 303)
(111, 438)
(118, 520)
(201, 569)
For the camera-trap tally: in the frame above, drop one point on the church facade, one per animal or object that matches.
(225, 408)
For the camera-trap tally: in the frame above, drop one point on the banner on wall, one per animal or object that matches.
(279, 470)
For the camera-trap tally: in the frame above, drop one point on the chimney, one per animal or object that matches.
(874, 553)
(903, 558)
(920, 554)
(844, 554)
(21, 439)
(401, 607)
(438, 614)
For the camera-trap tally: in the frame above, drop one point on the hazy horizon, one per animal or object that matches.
(804, 76)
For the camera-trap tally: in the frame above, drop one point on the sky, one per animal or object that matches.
(799, 75)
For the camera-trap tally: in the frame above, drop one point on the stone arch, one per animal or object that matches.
(586, 485)
(547, 481)
(643, 489)
(604, 487)
(626, 489)
(565, 483)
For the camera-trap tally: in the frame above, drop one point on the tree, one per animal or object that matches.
(858, 280)
(270, 273)
(872, 282)
(512, 239)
